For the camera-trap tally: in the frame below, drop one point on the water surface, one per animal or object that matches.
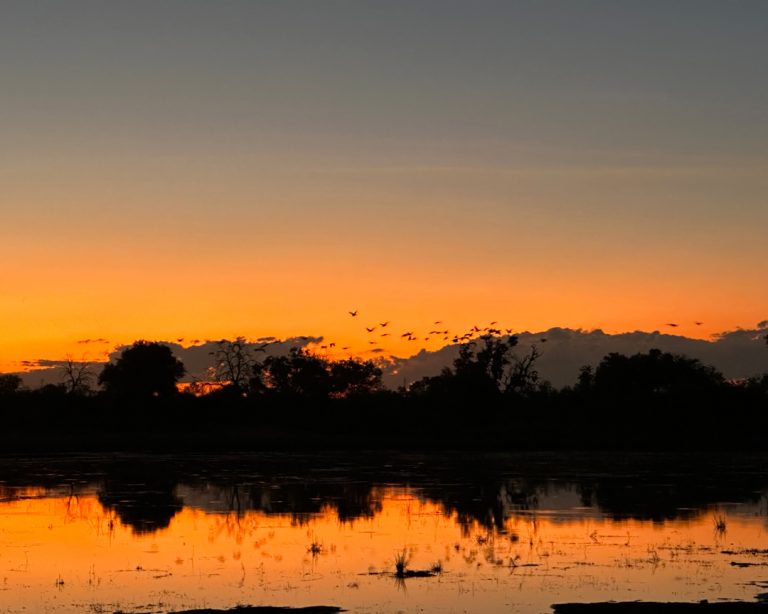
(512, 533)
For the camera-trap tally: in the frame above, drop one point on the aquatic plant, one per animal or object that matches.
(721, 525)
(401, 562)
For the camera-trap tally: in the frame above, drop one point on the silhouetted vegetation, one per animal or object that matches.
(491, 397)
(9, 384)
(144, 370)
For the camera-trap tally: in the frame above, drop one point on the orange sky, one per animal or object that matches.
(260, 170)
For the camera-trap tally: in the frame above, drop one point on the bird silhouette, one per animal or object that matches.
(383, 324)
(408, 334)
(672, 324)
(698, 323)
(370, 330)
(385, 334)
(353, 313)
(437, 322)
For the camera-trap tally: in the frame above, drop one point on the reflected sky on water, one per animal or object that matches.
(498, 533)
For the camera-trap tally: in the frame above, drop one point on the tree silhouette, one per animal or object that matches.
(300, 374)
(303, 374)
(485, 369)
(654, 374)
(77, 375)
(146, 369)
(9, 384)
(354, 377)
(233, 363)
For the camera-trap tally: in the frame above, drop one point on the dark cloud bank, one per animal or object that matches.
(737, 354)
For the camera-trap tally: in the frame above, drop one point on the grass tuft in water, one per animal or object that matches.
(401, 562)
(721, 525)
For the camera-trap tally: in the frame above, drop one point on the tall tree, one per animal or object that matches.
(146, 369)
(233, 363)
(77, 375)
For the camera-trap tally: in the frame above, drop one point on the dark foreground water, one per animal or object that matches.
(486, 533)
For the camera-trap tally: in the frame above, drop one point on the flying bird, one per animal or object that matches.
(409, 334)
(370, 330)
(698, 323)
(385, 334)
(672, 324)
(383, 324)
(353, 313)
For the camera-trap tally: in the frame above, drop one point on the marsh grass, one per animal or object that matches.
(720, 522)
(401, 563)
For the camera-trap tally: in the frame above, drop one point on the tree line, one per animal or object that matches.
(492, 396)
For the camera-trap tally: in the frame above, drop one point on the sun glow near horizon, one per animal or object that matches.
(201, 174)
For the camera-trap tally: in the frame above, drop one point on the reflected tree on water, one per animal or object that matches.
(143, 496)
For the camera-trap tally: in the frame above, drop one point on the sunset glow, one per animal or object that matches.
(188, 171)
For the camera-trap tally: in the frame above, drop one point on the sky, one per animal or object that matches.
(187, 169)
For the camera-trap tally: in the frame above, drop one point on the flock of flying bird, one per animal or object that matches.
(436, 333)
(443, 334)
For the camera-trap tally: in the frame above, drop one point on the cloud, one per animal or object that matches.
(738, 353)
(197, 358)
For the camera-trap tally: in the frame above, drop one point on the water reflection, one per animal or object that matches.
(511, 532)
(142, 490)
(144, 498)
